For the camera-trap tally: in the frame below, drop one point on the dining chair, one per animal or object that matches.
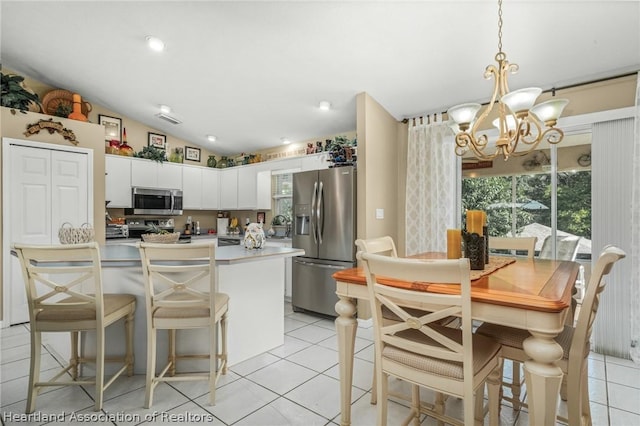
(180, 294)
(514, 245)
(574, 340)
(566, 249)
(386, 246)
(65, 294)
(418, 349)
(383, 246)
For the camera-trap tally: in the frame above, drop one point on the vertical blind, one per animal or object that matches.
(612, 184)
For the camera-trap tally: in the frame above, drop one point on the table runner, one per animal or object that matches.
(495, 263)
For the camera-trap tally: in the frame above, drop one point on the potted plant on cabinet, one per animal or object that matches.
(17, 96)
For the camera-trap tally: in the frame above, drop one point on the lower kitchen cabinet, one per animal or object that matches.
(287, 266)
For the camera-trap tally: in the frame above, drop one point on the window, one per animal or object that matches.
(283, 195)
(517, 196)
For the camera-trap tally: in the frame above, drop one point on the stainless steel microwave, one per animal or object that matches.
(152, 201)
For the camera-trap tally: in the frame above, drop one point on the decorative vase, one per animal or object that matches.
(254, 236)
(125, 149)
(77, 109)
(223, 163)
(211, 162)
(177, 156)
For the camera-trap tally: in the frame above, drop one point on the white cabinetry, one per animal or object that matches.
(315, 161)
(287, 265)
(191, 188)
(247, 187)
(229, 188)
(263, 191)
(200, 188)
(151, 174)
(118, 181)
(210, 188)
(254, 187)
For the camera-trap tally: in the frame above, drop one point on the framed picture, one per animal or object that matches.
(260, 217)
(157, 140)
(192, 154)
(112, 127)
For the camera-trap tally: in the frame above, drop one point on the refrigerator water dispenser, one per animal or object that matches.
(302, 219)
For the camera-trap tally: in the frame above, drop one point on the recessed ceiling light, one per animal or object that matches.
(324, 105)
(165, 109)
(285, 141)
(211, 138)
(155, 43)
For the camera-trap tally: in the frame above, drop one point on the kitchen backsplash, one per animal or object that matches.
(208, 219)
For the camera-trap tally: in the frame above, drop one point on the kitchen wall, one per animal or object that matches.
(89, 136)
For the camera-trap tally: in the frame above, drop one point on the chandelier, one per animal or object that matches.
(520, 123)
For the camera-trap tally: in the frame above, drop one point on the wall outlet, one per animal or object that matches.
(379, 213)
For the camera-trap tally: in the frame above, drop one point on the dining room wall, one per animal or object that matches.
(377, 169)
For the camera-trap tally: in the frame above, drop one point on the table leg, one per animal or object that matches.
(543, 377)
(346, 326)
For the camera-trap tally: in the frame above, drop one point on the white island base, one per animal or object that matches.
(255, 285)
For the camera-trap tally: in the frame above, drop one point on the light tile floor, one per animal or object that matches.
(294, 384)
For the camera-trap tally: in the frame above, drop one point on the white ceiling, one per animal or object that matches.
(254, 72)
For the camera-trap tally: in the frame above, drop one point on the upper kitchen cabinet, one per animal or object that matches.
(118, 181)
(151, 174)
(200, 188)
(229, 188)
(254, 187)
(315, 161)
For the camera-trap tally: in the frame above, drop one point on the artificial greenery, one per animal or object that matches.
(63, 110)
(152, 153)
(154, 229)
(14, 95)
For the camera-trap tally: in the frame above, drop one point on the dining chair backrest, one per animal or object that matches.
(527, 244)
(62, 278)
(178, 275)
(582, 331)
(381, 245)
(566, 248)
(437, 306)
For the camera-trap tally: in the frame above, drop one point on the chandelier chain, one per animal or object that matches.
(520, 123)
(499, 26)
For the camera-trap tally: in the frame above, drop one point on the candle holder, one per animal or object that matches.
(474, 250)
(485, 232)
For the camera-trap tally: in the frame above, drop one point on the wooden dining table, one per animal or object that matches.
(529, 294)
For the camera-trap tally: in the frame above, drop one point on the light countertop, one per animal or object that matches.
(118, 255)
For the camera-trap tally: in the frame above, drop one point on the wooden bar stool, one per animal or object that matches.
(180, 294)
(57, 280)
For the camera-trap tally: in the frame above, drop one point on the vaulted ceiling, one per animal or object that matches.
(251, 73)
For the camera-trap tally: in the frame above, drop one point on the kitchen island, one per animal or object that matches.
(253, 279)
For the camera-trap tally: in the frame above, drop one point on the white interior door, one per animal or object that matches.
(45, 188)
(69, 190)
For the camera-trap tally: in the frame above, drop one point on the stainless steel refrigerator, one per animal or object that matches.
(324, 225)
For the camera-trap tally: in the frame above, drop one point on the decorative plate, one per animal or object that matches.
(52, 100)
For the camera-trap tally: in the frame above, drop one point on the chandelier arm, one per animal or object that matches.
(514, 126)
(553, 135)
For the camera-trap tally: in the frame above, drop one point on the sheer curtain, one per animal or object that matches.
(433, 176)
(635, 237)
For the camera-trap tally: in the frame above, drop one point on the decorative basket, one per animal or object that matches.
(161, 238)
(70, 235)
